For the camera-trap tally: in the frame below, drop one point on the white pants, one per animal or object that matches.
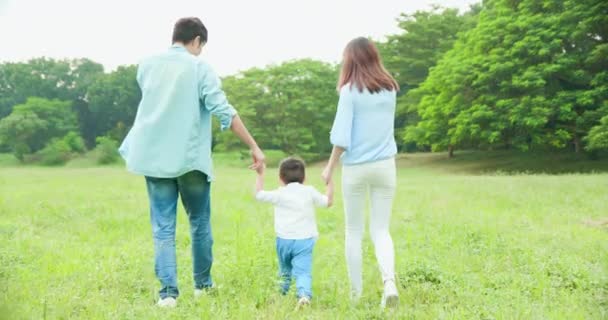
(378, 179)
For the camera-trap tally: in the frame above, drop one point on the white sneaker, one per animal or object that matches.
(168, 302)
(303, 303)
(206, 291)
(390, 298)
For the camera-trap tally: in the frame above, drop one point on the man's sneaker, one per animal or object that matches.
(390, 298)
(303, 303)
(168, 302)
(198, 293)
(205, 291)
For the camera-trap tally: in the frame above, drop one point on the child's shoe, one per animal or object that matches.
(303, 302)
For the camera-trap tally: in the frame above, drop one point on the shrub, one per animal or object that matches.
(75, 142)
(106, 150)
(56, 152)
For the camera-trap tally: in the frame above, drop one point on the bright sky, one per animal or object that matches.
(242, 34)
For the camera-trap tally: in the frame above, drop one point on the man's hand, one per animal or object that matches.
(240, 131)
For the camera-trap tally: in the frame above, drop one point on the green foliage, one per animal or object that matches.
(521, 74)
(242, 158)
(107, 150)
(289, 107)
(113, 101)
(274, 157)
(18, 132)
(31, 125)
(529, 75)
(57, 152)
(598, 136)
(48, 78)
(409, 55)
(75, 142)
(426, 37)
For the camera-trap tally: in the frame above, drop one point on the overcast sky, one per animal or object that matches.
(242, 34)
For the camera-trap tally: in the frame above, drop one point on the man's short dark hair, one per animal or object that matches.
(187, 29)
(292, 170)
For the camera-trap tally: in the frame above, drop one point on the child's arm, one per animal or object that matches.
(259, 181)
(261, 195)
(329, 193)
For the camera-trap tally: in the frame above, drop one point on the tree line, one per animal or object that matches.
(519, 74)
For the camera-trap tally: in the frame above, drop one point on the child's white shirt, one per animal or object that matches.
(294, 210)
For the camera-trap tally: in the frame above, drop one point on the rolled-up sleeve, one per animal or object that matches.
(341, 130)
(213, 97)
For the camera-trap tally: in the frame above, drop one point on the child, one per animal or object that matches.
(294, 223)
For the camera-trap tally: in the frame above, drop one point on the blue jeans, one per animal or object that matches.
(295, 260)
(194, 190)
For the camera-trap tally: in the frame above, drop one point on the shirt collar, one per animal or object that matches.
(178, 47)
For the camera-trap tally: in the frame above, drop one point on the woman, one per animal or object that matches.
(363, 137)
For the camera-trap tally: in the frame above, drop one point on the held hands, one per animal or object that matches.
(326, 175)
(258, 159)
(260, 170)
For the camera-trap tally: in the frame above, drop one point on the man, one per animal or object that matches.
(170, 144)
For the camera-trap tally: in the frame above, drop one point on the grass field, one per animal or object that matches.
(76, 244)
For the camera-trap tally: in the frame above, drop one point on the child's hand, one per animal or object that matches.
(326, 175)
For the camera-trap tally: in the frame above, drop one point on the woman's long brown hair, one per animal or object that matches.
(362, 67)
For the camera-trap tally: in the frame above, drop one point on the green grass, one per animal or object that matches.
(506, 162)
(76, 244)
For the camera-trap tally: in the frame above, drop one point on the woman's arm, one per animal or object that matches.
(327, 173)
(340, 135)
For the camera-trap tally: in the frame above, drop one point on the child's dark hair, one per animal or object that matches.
(292, 170)
(187, 29)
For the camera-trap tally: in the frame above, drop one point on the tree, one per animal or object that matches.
(530, 74)
(597, 139)
(56, 152)
(19, 130)
(426, 37)
(112, 103)
(107, 150)
(409, 55)
(66, 80)
(289, 107)
(31, 125)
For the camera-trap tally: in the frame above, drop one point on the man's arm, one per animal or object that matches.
(214, 100)
(238, 128)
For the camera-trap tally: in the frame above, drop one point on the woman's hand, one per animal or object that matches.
(326, 175)
(336, 153)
